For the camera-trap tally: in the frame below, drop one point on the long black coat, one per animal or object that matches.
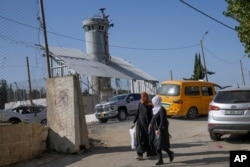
(142, 119)
(160, 122)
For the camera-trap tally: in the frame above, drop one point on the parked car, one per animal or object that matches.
(119, 106)
(229, 112)
(25, 113)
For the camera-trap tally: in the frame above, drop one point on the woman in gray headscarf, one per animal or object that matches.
(159, 124)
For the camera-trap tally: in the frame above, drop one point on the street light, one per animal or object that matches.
(204, 61)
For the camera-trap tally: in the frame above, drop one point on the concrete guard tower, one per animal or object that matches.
(97, 47)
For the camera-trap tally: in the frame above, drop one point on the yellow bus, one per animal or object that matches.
(188, 98)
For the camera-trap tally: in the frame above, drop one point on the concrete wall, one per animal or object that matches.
(89, 102)
(20, 142)
(65, 113)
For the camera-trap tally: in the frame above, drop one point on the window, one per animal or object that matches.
(137, 96)
(101, 28)
(86, 28)
(192, 91)
(37, 109)
(206, 91)
(233, 97)
(23, 110)
(118, 97)
(169, 90)
(131, 98)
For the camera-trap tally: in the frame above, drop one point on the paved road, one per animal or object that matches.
(190, 142)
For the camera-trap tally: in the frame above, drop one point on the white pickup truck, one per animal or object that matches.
(119, 106)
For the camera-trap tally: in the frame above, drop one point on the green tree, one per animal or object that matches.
(240, 11)
(199, 71)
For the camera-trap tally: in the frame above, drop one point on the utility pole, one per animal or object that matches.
(45, 38)
(30, 89)
(171, 75)
(242, 74)
(203, 55)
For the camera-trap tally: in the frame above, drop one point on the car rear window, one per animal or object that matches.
(233, 97)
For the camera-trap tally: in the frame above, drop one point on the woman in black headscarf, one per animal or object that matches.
(142, 120)
(159, 124)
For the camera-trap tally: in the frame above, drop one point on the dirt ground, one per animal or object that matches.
(110, 146)
(111, 134)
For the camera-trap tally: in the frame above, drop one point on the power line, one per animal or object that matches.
(125, 47)
(115, 46)
(207, 15)
(159, 49)
(17, 42)
(222, 60)
(17, 22)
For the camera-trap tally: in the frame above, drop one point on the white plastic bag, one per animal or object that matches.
(132, 136)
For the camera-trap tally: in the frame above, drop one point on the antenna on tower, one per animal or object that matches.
(102, 12)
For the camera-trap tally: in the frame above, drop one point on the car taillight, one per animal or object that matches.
(211, 107)
(211, 125)
(179, 101)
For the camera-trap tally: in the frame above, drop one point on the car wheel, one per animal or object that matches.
(215, 136)
(44, 122)
(192, 113)
(122, 116)
(103, 120)
(14, 120)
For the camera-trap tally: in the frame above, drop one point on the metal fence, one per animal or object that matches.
(23, 66)
(20, 37)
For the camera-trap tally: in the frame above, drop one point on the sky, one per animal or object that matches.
(158, 37)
